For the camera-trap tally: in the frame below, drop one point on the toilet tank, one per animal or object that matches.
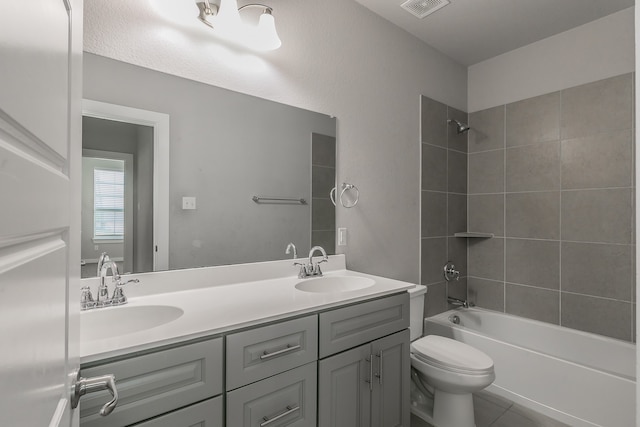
(416, 310)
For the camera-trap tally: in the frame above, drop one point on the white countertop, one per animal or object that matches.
(223, 308)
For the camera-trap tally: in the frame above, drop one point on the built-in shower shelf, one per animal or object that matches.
(474, 234)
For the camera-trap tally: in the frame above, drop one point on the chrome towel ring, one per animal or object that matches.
(345, 186)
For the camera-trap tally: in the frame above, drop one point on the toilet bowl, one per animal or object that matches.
(445, 374)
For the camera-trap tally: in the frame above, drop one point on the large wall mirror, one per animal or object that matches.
(223, 148)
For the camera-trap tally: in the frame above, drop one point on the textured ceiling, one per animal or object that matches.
(470, 31)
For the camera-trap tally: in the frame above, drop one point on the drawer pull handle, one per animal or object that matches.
(288, 349)
(287, 411)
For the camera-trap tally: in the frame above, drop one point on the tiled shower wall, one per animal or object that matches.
(552, 177)
(323, 179)
(444, 203)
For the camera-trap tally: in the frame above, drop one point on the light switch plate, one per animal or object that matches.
(342, 236)
(188, 203)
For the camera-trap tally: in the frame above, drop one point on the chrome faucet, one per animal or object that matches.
(291, 247)
(311, 269)
(104, 257)
(103, 300)
(459, 302)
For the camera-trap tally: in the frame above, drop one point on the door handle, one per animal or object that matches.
(379, 374)
(82, 386)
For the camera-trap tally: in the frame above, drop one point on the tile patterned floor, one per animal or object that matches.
(495, 411)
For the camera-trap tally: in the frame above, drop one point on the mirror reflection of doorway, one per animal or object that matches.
(117, 195)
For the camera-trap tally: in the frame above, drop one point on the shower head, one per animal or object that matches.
(460, 127)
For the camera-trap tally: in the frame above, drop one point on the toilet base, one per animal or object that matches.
(444, 409)
(453, 410)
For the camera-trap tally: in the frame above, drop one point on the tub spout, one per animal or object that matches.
(459, 302)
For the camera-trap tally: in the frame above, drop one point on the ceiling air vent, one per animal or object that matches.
(422, 8)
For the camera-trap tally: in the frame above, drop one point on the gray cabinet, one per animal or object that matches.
(365, 386)
(258, 353)
(203, 414)
(286, 399)
(153, 384)
(348, 327)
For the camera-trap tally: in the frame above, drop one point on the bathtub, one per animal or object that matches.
(578, 378)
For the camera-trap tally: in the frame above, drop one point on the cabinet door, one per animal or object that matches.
(203, 414)
(344, 389)
(286, 399)
(390, 397)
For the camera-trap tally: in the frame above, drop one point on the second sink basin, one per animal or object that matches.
(334, 284)
(109, 322)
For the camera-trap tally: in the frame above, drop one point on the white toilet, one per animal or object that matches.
(444, 373)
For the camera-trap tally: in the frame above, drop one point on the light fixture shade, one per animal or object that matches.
(228, 22)
(267, 35)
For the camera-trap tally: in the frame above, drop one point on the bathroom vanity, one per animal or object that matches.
(236, 357)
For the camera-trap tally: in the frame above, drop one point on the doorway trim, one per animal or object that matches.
(161, 137)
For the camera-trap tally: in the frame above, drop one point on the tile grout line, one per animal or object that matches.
(560, 122)
(504, 213)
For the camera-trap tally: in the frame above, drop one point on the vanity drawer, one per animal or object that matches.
(286, 399)
(258, 353)
(203, 414)
(156, 383)
(351, 326)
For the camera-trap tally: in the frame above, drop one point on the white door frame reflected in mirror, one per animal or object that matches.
(160, 124)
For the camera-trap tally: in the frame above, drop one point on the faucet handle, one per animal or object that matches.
(86, 298)
(119, 297)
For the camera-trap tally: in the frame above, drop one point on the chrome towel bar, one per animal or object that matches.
(279, 200)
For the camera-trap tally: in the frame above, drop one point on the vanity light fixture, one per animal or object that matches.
(226, 22)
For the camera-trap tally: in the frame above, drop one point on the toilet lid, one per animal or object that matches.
(451, 354)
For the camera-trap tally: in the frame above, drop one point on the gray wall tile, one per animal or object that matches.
(533, 167)
(533, 262)
(323, 150)
(456, 213)
(533, 120)
(597, 315)
(435, 301)
(599, 161)
(597, 215)
(323, 215)
(326, 239)
(457, 172)
(323, 179)
(486, 258)
(457, 141)
(434, 214)
(598, 269)
(486, 172)
(486, 213)
(434, 122)
(457, 253)
(596, 107)
(487, 129)
(533, 215)
(457, 289)
(486, 293)
(434, 257)
(533, 303)
(434, 168)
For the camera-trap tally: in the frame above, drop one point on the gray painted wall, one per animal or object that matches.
(225, 148)
(370, 79)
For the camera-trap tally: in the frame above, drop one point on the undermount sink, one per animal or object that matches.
(109, 322)
(334, 284)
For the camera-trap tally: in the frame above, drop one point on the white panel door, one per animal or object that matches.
(40, 53)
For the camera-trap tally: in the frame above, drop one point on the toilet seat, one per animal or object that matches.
(451, 355)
